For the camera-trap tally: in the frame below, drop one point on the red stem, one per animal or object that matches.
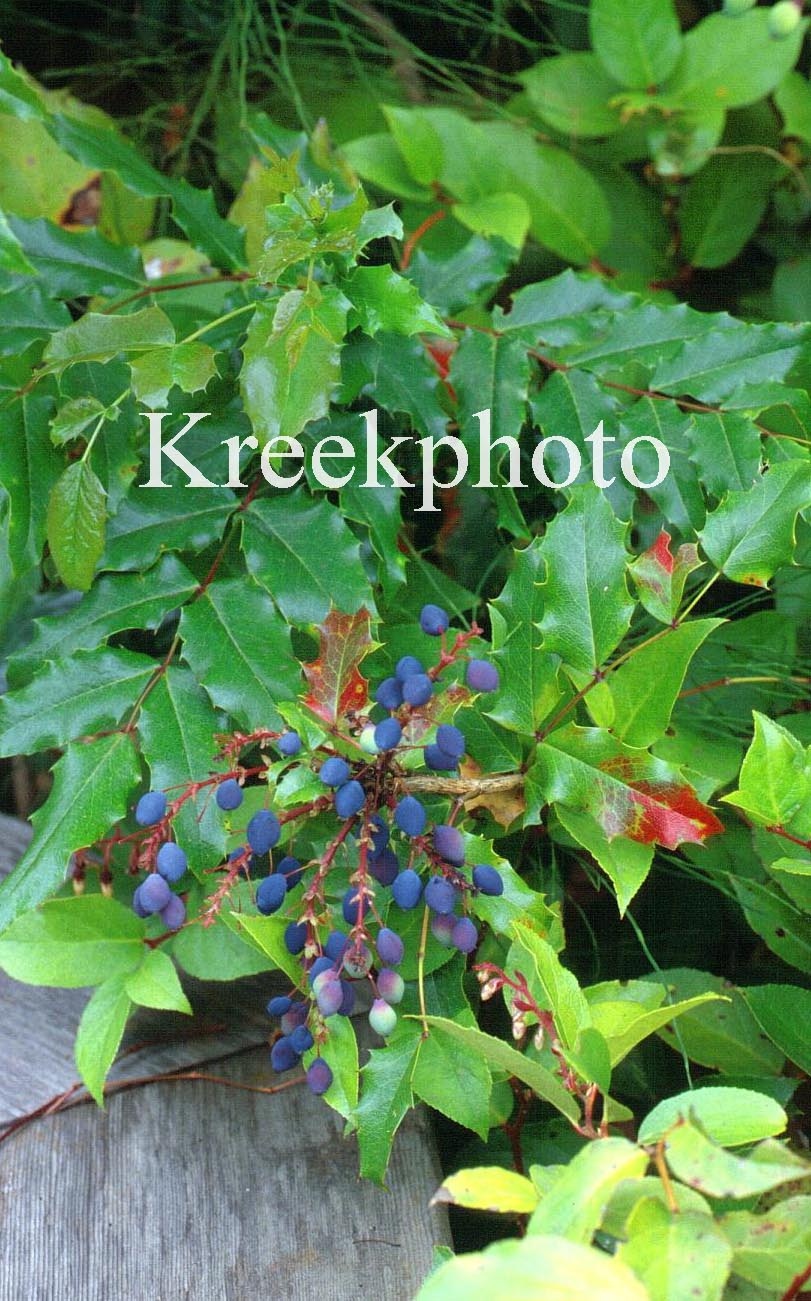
(416, 235)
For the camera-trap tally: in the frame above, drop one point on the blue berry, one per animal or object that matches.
(270, 894)
(389, 694)
(137, 907)
(263, 832)
(482, 676)
(320, 965)
(437, 760)
(418, 690)
(334, 771)
(410, 816)
(319, 1077)
(335, 945)
(351, 906)
(384, 866)
(388, 734)
(154, 894)
(449, 844)
(171, 861)
(150, 808)
(330, 996)
(174, 914)
(390, 947)
(290, 869)
(382, 1018)
(229, 795)
(348, 1000)
(279, 1005)
(406, 889)
(407, 667)
(390, 986)
(434, 620)
(283, 1056)
(296, 1015)
(451, 740)
(487, 879)
(301, 1039)
(349, 799)
(442, 925)
(379, 833)
(289, 744)
(464, 935)
(295, 937)
(440, 895)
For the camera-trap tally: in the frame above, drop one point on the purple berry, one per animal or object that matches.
(464, 935)
(390, 986)
(229, 795)
(154, 894)
(319, 967)
(137, 906)
(440, 895)
(348, 1000)
(451, 740)
(390, 947)
(442, 925)
(263, 832)
(171, 861)
(270, 894)
(481, 675)
(335, 946)
(388, 734)
(174, 914)
(406, 889)
(351, 906)
(296, 1015)
(291, 870)
(301, 1039)
(289, 744)
(295, 937)
(349, 799)
(279, 1005)
(407, 667)
(434, 620)
(449, 844)
(410, 816)
(330, 996)
(150, 808)
(487, 879)
(379, 832)
(283, 1056)
(319, 1077)
(438, 761)
(418, 690)
(334, 771)
(389, 694)
(382, 1018)
(384, 866)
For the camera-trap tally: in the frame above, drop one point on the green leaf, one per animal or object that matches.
(723, 206)
(155, 984)
(771, 915)
(178, 728)
(793, 99)
(566, 1271)
(286, 541)
(377, 159)
(91, 786)
(385, 300)
(586, 606)
(774, 779)
(625, 862)
(554, 988)
(148, 524)
(732, 63)
(453, 1081)
(84, 694)
(96, 337)
(73, 942)
(730, 1117)
(488, 1188)
(782, 1011)
(453, 281)
(216, 952)
(77, 264)
(12, 257)
(267, 935)
(292, 362)
(76, 415)
(385, 1098)
(751, 534)
(725, 448)
(405, 381)
(625, 1024)
(723, 1035)
(340, 1052)
(679, 495)
(572, 93)
(27, 314)
(239, 649)
(17, 95)
(773, 1249)
(100, 1032)
(677, 1257)
(77, 514)
(638, 42)
(500, 1054)
(29, 467)
(575, 1204)
(503, 215)
(645, 688)
(701, 1164)
(660, 576)
(189, 365)
(490, 372)
(572, 404)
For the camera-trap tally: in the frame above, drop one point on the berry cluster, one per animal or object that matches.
(398, 856)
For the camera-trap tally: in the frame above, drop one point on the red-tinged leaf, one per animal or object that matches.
(440, 709)
(629, 792)
(660, 576)
(336, 686)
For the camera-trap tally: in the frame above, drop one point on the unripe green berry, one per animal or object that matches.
(737, 7)
(784, 18)
(367, 740)
(382, 1018)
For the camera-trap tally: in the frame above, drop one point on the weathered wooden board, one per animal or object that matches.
(191, 1189)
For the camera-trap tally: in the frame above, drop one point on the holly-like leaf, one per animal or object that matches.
(77, 515)
(385, 300)
(386, 1096)
(340, 1052)
(775, 779)
(74, 417)
(100, 1032)
(490, 372)
(586, 606)
(147, 524)
(644, 689)
(529, 687)
(29, 467)
(91, 787)
(751, 534)
(188, 365)
(628, 792)
(336, 686)
(78, 263)
(99, 337)
(625, 862)
(660, 576)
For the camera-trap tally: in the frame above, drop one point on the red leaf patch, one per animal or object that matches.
(337, 688)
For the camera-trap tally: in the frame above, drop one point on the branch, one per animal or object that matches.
(465, 786)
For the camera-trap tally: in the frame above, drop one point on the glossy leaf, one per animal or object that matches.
(751, 534)
(529, 688)
(659, 576)
(782, 1012)
(188, 365)
(76, 518)
(337, 689)
(385, 1098)
(730, 1117)
(774, 779)
(645, 688)
(488, 1188)
(100, 1032)
(385, 300)
(155, 983)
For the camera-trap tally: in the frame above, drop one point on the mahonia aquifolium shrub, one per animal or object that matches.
(369, 795)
